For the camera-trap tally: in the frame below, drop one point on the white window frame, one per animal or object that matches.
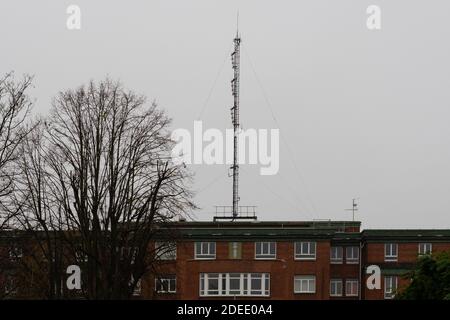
(245, 289)
(171, 281)
(308, 280)
(300, 255)
(336, 282)
(389, 256)
(265, 253)
(205, 250)
(169, 253)
(351, 258)
(349, 283)
(424, 245)
(334, 255)
(393, 285)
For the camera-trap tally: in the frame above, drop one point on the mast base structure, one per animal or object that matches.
(235, 211)
(226, 213)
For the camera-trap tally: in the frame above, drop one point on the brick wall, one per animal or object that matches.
(373, 254)
(282, 270)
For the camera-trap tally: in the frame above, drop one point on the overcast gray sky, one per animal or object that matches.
(364, 113)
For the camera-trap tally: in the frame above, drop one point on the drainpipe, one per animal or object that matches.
(361, 245)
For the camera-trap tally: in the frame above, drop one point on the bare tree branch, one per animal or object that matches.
(97, 182)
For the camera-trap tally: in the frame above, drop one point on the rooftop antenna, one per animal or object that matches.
(354, 208)
(237, 24)
(237, 212)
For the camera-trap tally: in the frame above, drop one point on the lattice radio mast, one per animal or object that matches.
(235, 58)
(236, 212)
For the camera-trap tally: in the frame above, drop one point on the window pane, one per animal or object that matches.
(256, 284)
(235, 284)
(305, 247)
(234, 250)
(213, 285)
(258, 247)
(173, 285)
(265, 249)
(312, 285)
(297, 286)
(303, 285)
(267, 284)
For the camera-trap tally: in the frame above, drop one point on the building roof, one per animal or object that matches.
(277, 230)
(435, 235)
(336, 231)
(317, 224)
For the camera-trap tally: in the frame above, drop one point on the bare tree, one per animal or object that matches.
(36, 212)
(97, 183)
(15, 106)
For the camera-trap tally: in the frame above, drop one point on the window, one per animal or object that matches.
(129, 253)
(59, 286)
(81, 256)
(166, 250)
(10, 285)
(425, 248)
(336, 254)
(305, 284)
(390, 286)
(235, 250)
(166, 284)
(335, 287)
(137, 286)
(205, 250)
(15, 253)
(352, 255)
(305, 250)
(137, 289)
(265, 250)
(351, 288)
(234, 284)
(390, 252)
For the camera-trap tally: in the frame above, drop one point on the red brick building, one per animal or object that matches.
(287, 260)
(315, 260)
